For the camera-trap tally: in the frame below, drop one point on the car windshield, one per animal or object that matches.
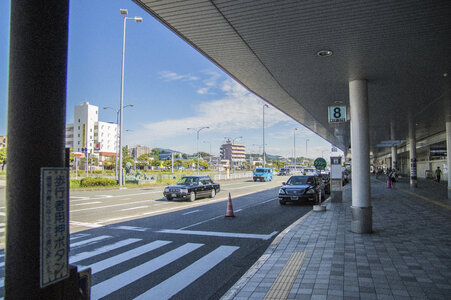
(300, 180)
(260, 170)
(188, 181)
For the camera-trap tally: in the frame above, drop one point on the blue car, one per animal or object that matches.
(302, 188)
(263, 174)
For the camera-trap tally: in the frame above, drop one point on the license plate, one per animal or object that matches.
(294, 198)
(174, 195)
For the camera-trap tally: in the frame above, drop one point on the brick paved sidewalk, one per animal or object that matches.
(407, 257)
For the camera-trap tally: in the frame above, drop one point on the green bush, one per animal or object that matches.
(97, 181)
(74, 183)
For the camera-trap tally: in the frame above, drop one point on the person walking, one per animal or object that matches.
(438, 173)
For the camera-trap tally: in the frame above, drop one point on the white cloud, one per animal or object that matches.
(172, 76)
(202, 91)
(237, 110)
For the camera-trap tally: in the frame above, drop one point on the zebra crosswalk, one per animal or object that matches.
(118, 264)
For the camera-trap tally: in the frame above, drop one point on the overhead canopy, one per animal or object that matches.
(403, 49)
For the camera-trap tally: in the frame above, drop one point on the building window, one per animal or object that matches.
(78, 135)
(78, 127)
(79, 142)
(78, 120)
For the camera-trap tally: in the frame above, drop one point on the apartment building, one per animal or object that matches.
(234, 153)
(87, 132)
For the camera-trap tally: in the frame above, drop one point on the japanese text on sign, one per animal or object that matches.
(54, 225)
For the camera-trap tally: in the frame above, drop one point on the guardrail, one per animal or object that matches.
(233, 176)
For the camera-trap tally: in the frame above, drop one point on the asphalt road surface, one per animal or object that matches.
(139, 245)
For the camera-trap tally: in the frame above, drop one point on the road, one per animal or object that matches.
(140, 245)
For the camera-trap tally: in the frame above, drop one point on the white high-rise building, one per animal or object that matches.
(100, 138)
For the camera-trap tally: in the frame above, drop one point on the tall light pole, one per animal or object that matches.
(124, 12)
(198, 130)
(306, 147)
(117, 133)
(294, 146)
(264, 154)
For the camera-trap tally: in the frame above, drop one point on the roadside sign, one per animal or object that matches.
(54, 231)
(337, 114)
(320, 163)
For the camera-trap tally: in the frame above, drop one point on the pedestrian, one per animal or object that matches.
(393, 177)
(438, 173)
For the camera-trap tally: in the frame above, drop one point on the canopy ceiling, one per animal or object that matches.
(401, 47)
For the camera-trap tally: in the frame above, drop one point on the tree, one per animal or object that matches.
(155, 162)
(2, 155)
(203, 164)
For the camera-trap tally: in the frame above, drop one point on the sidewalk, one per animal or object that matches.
(407, 257)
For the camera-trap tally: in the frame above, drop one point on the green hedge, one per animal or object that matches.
(97, 181)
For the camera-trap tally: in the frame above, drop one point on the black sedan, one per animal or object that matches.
(191, 188)
(301, 188)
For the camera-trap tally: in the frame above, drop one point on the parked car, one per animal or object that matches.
(191, 188)
(263, 174)
(284, 172)
(301, 188)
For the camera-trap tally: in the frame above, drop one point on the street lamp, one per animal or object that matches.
(264, 154)
(306, 147)
(294, 146)
(198, 130)
(117, 132)
(124, 12)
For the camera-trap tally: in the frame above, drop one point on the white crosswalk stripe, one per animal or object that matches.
(120, 258)
(184, 278)
(108, 286)
(123, 279)
(85, 255)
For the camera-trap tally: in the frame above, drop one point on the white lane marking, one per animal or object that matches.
(87, 203)
(201, 222)
(2, 264)
(2, 229)
(90, 241)
(133, 208)
(238, 210)
(101, 250)
(191, 212)
(85, 224)
(221, 234)
(110, 196)
(106, 196)
(113, 284)
(184, 278)
(142, 229)
(120, 258)
(108, 206)
(3, 214)
(77, 236)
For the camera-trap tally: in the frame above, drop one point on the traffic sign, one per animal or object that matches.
(320, 163)
(337, 114)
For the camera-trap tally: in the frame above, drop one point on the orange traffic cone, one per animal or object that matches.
(229, 212)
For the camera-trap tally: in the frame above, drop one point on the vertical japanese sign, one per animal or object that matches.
(54, 260)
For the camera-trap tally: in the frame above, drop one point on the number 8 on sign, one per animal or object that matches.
(337, 114)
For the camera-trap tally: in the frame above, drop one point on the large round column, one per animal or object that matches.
(36, 134)
(361, 203)
(413, 155)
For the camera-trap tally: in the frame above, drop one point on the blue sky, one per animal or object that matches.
(171, 85)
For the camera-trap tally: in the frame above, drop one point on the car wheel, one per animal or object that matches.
(169, 198)
(282, 202)
(213, 193)
(192, 196)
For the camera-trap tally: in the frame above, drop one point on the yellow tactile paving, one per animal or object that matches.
(283, 283)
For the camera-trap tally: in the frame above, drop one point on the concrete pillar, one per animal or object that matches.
(361, 203)
(448, 152)
(36, 134)
(394, 157)
(413, 155)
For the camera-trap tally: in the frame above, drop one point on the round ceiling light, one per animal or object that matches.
(324, 53)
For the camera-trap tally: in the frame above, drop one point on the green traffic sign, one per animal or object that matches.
(320, 163)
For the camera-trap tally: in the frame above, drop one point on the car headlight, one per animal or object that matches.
(185, 191)
(166, 189)
(282, 191)
(310, 191)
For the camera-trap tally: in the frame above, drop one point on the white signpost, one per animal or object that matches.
(54, 260)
